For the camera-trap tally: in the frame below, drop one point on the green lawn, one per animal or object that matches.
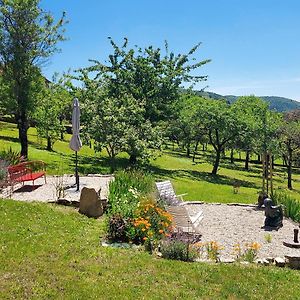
(188, 177)
(50, 252)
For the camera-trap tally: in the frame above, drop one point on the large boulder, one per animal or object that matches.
(90, 203)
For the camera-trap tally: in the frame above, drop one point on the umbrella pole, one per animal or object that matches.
(76, 171)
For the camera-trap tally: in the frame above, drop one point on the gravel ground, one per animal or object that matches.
(229, 225)
(47, 192)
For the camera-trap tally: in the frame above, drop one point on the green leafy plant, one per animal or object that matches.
(291, 206)
(268, 238)
(126, 190)
(11, 156)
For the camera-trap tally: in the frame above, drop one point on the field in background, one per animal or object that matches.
(188, 177)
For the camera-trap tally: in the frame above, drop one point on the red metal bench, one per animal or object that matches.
(26, 171)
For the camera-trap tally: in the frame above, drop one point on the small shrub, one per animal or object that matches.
(291, 206)
(268, 238)
(251, 252)
(178, 250)
(117, 229)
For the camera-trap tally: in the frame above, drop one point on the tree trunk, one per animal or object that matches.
(49, 144)
(231, 156)
(247, 160)
(23, 127)
(195, 150)
(217, 162)
(132, 159)
(258, 158)
(203, 147)
(223, 153)
(289, 169)
(188, 150)
(284, 163)
(62, 129)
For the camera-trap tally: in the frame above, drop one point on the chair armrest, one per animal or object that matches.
(181, 196)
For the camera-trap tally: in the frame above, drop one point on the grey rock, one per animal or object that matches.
(279, 262)
(266, 262)
(293, 261)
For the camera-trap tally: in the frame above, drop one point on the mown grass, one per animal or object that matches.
(50, 252)
(188, 177)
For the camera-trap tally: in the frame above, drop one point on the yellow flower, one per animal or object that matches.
(255, 246)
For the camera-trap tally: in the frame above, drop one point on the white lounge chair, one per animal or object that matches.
(177, 208)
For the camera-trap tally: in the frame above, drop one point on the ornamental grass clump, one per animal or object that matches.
(291, 206)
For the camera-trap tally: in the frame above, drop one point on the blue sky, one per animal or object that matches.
(254, 45)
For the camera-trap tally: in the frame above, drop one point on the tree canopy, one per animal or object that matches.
(28, 37)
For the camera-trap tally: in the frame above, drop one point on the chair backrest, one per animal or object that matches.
(181, 219)
(166, 192)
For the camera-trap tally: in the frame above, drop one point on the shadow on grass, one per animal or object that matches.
(16, 140)
(235, 167)
(100, 165)
(160, 174)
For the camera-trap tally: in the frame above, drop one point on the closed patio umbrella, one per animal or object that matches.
(75, 143)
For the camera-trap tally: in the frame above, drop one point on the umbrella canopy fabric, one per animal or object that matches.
(75, 143)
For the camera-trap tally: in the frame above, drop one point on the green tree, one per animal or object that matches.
(28, 37)
(251, 109)
(289, 134)
(53, 102)
(222, 124)
(149, 78)
(187, 126)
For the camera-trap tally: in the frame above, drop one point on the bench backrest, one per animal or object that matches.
(17, 171)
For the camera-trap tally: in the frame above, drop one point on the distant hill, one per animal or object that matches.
(279, 104)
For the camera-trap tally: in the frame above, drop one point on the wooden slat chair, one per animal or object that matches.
(166, 193)
(183, 222)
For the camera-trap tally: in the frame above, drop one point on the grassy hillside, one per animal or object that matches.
(188, 177)
(50, 252)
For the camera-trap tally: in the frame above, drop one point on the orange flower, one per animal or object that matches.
(160, 231)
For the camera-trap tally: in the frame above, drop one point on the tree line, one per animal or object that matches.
(133, 102)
